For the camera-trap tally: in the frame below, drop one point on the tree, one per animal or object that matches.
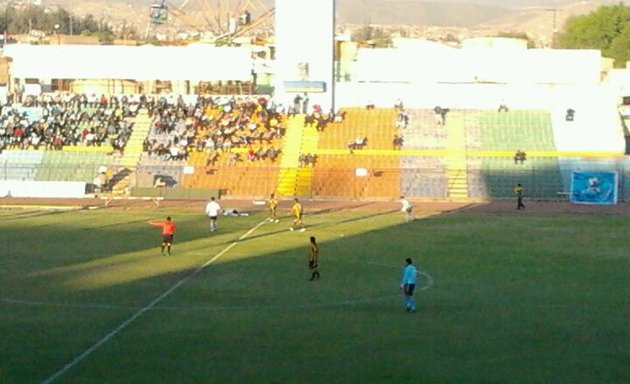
(599, 30)
(23, 20)
(518, 35)
(372, 35)
(620, 47)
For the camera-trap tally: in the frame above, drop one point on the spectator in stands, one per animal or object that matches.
(57, 142)
(234, 158)
(503, 107)
(399, 105)
(260, 154)
(212, 159)
(173, 152)
(297, 103)
(397, 142)
(159, 182)
(402, 120)
(100, 182)
(251, 154)
(360, 142)
(330, 118)
(305, 102)
(146, 145)
(272, 153)
(321, 123)
(520, 156)
(570, 116)
(309, 120)
(291, 112)
(440, 115)
(340, 116)
(311, 159)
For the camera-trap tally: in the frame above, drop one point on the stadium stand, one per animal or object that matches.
(71, 165)
(19, 165)
(223, 144)
(334, 173)
(236, 148)
(495, 137)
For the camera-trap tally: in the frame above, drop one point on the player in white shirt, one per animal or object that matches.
(406, 208)
(212, 211)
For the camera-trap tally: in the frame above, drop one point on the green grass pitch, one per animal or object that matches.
(86, 297)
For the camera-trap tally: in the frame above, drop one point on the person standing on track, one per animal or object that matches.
(518, 190)
(408, 284)
(212, 211)
(168, 229)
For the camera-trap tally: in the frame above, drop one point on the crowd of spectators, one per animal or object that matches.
(402, 121)
(321, 120)
(214, 125)
(179, 124)
(52, 121)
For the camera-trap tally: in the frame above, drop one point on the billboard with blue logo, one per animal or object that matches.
(594, 188)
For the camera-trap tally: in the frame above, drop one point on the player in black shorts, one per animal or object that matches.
(313, 259)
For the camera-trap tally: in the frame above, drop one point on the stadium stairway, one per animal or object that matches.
(456, 168)
(294, 180)
(121, 181)
(133, 148)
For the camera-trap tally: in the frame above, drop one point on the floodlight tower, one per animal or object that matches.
(304, 59)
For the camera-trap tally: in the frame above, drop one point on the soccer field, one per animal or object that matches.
(511, 297)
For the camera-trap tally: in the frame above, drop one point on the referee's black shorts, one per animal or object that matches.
(167, 239)
(408, 289)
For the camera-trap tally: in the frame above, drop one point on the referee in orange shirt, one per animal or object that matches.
(168, 229)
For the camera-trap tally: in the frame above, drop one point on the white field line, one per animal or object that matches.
(152, 304)
(291, 306)
(346, 302)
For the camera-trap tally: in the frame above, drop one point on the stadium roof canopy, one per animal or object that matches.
(197, 62)
(430, 63)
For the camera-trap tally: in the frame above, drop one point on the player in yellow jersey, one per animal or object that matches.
(272, 204)
(297, 214)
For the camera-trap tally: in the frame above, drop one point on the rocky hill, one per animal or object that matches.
(455, 17)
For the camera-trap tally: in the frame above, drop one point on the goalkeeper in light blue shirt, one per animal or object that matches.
(408, 284)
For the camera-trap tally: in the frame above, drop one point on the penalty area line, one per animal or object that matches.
(146, 308)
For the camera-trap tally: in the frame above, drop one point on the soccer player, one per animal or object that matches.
(408, 284)
(272, 203)
(212, 211)
(406, 208)
(168, 229)
(313, 259)
(518, 190)
(297, 213)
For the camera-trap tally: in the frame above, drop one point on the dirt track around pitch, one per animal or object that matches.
(173, 206)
